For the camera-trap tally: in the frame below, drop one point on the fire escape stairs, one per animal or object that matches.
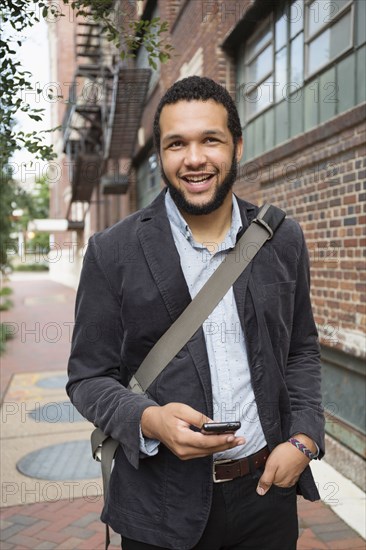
(83, 127)
(100, 127)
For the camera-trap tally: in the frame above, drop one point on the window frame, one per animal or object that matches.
(308, 39)
(265, 120)
(268, 21)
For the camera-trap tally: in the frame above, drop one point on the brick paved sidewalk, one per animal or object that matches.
(75, 525)
(42, 317)
(41, 321)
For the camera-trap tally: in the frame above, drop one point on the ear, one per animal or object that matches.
(239, 149)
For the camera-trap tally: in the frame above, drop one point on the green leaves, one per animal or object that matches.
(15, 81)
(146, 34)
(126, 31)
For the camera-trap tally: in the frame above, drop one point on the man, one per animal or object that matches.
(256, 359)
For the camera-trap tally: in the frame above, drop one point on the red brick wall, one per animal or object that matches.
(323, 187)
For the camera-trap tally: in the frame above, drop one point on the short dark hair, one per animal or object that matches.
(201, 89)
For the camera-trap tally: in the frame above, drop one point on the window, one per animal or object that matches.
(329, 32)
(274, 62)
(194, 66)
(302, 65)
(258, 90)
(148, 180)
(295, 54)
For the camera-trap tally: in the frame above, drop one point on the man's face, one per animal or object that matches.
(198, 159)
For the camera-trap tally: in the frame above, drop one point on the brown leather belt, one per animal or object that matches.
(227, 470)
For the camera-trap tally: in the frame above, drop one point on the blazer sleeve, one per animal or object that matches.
(303, 371)
(94, 385)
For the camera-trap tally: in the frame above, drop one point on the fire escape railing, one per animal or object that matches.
(102, 117)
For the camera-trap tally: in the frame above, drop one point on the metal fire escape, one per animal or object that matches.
(102, 118)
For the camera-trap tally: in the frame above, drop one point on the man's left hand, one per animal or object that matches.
(283, 467)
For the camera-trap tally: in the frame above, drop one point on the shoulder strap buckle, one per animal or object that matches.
(261, 222)
(270, 217)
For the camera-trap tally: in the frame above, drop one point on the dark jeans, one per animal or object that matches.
(242, 520)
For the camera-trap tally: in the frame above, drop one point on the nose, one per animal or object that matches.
(195, 156)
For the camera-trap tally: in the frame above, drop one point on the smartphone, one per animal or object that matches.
(214, 428)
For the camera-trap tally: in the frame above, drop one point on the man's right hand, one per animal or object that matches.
(171, 424)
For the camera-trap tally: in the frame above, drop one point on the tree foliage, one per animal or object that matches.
(34, 205)
(126, 34)
(16, 16)
(7, 195)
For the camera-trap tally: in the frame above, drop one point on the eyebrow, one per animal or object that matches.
(169, 137)
(210, 132)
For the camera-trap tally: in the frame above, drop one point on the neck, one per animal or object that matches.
(211, 227)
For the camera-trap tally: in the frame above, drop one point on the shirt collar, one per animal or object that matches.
(176, 218)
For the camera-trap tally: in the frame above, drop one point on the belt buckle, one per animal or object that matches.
(223, 461)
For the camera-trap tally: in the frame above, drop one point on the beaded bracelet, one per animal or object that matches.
(302, 447)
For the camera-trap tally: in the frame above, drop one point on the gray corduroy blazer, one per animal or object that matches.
(131, 289)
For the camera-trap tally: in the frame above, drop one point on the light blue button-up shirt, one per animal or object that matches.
(233, 397)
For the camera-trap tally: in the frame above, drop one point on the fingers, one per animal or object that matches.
(188, 414)
(186, 443)
(277, 472)
(217, 443)
(266, 480)
(156, 421)
(194, 444)
(283, 468)
(263, 487)
(205, 444)
(196, 447)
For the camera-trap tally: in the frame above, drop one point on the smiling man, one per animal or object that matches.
(255, 360)
(198, 162)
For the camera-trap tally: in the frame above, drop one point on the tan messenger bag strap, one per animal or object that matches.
(261, 229)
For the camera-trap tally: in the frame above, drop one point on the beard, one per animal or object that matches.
(217, 200)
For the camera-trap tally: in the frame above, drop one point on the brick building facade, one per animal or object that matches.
(296, 69)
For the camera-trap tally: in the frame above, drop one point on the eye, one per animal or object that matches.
(175, 145)
(211, 140)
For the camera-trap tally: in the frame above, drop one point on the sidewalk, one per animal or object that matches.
(41, 511)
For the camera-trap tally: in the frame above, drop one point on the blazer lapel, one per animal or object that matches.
(162, 257)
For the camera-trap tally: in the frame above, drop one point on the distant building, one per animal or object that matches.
(296, 69)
